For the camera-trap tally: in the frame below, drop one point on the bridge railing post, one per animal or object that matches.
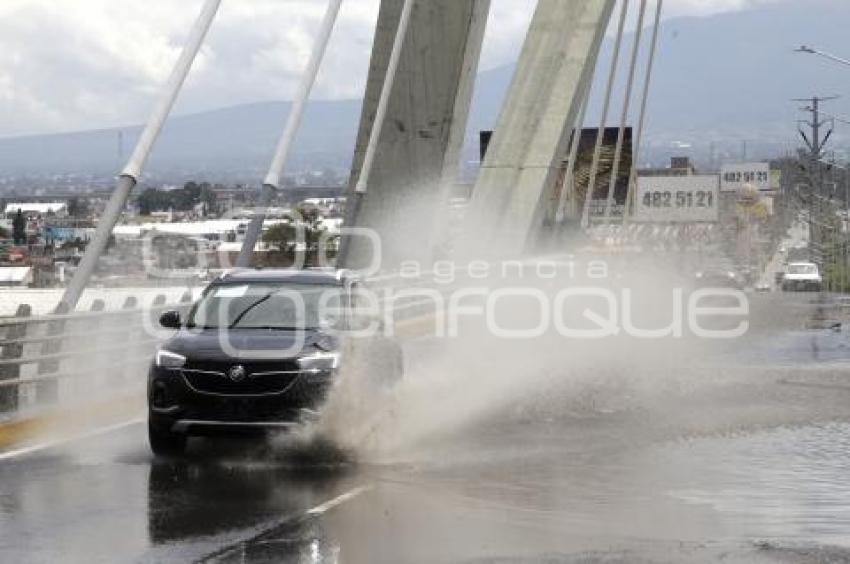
(9, 395)
(158, 306)
(47, 391)
(75, 357)
(123, 334)
(97, 365)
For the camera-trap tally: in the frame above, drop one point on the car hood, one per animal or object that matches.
(248, 344)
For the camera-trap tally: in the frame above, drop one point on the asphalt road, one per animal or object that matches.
(728, 456)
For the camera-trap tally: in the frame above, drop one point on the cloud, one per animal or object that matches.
(82, 64)
(98, 63)
(677, 8)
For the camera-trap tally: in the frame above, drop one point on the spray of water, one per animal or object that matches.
(455, 386)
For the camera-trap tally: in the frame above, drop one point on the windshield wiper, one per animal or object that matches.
(245, 311)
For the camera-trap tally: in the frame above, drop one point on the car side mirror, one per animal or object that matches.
(170, 320)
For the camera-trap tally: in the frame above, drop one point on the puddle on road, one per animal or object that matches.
(787, 483)
(802, 348)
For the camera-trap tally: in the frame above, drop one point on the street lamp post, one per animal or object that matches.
(831, 57)
(813, 51)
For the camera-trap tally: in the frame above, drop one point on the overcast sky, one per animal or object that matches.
(86, 64)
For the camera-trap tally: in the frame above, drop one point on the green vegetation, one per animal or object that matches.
(836, 270)
(283, 237)
(181, 199)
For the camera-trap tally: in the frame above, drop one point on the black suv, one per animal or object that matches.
(259, 351)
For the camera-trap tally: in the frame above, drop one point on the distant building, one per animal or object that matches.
(319, 202)
(679, 166)
(16, 276)
(37, 208)
(60, 234)
(325, 206)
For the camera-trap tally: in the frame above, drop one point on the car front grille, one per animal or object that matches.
(258, 378)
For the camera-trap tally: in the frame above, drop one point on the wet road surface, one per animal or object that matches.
(749, 467)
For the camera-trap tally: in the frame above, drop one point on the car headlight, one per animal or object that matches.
(168, 359)
(319, 362)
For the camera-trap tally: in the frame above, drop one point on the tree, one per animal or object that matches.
(19, 228)
(284, 238)
(181, 199)
(209, 199)
(280, 235)
(310, 216)
(185, 198)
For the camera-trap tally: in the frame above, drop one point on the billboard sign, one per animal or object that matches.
(734, 176)
(677, 199)
(597, 209)
(581, 173)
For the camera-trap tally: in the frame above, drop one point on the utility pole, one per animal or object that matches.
(815, 145)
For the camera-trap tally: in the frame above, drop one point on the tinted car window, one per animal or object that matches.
(803, 269)
(268, 306)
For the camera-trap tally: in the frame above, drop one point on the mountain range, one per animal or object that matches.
(721, 83)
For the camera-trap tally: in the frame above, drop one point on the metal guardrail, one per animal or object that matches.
(45, 359)
(48, 358)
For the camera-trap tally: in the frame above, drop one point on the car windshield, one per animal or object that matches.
(268, 305)
(802, 269)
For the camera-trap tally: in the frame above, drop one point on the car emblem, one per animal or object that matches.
(237, 373)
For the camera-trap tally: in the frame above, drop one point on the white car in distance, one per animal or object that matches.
(802, 277)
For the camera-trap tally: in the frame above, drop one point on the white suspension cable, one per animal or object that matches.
(303, 94)
(618, 150)
(352, 211)
(171, 90)
(384, 101)
(569, 180)
(585, 218)
(641, 120)
(293, 123)
(133, 170)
